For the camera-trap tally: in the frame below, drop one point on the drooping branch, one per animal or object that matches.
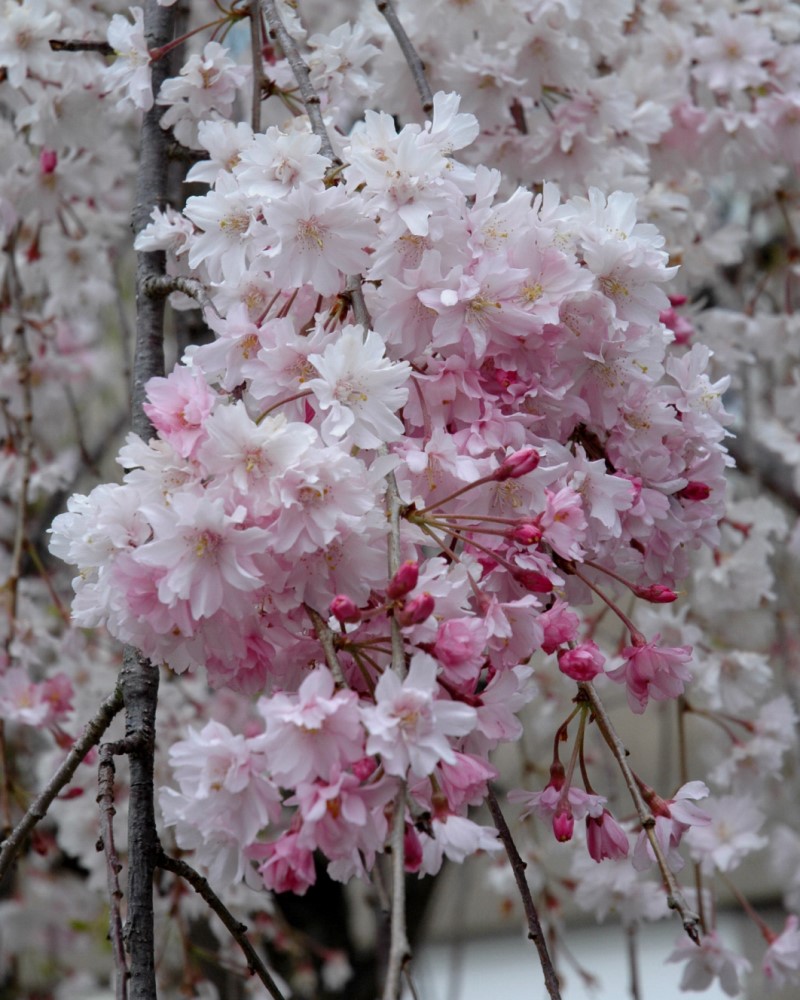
(325, 637)
(162, 285)
(139, 677)
(410, 54)
(675, 898)
(535, 932)
(257, 60)
(91, 736)
(399, 950)
(308, 94)
(237, 931)
(105, 799)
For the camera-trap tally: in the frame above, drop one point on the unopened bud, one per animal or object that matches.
(518, 464)
(48, 161)
(404, 581)
(656, 594)
(563, 822)
(344, 609)
(527, 533)
(694, 491)
(536, 583)
(417, 610)
(365, 768)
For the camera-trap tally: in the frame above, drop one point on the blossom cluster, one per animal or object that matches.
(453, 404)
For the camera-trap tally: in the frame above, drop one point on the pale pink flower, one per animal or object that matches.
(285, 866)
(456, 838)
(731, 834)
(178, 405)
(460, 647)
(564, 522)
(206, 555)
(708, 961)
(321, 236)
(653, 671)
(408, 726)
(781, 963)
(673, 818)
(312, 732)
(360, 389)
(130, 71)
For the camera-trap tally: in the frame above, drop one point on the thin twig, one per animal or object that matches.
(161, 285)
(309, 96)
(77, 45)
(410, 54)
(633, 962)
(675, 899)
(105, 799)
(92, 734)
(257, 59)
(325, 637)
(399, 951)
(518, 866)
(237, 931)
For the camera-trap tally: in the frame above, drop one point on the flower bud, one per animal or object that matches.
(344, 609)
(404, 581)
(526, 533)
(518, 464)
(365, 768)
(656, 594)
(694, 491)
(583, 663)
(563, 822)
(536, 583)
(417, 610)
(48, 161)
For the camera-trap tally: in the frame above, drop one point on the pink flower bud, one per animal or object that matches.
(526, 533)
(678, 300)
(694, 491)
(404, 581)
(412, 850)
(656, 594)
(48, 161)
(344, 609)
(417, 610)
(531, 580)
(518, 464)
(563, 822)
(583, 663)
(365, 768)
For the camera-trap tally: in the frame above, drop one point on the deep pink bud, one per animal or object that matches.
(531, 580)
(48, 161)
(656, 594)
(417, 610)
(518, 464)
(563, 821)
(527, 533)
(678, 300)
(583, 663)
(344, 609)
(412, 850)
(404, 581)
(365, 768)
(694, 491)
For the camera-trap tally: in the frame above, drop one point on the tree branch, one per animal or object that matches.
(237, 931)
(139, 677)
(325, 637)
(105, 799)
(257, 60)
(308, 94)
(92, 734)
(535, 932)
(399, 951)
(675, 899)
(415, 64)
